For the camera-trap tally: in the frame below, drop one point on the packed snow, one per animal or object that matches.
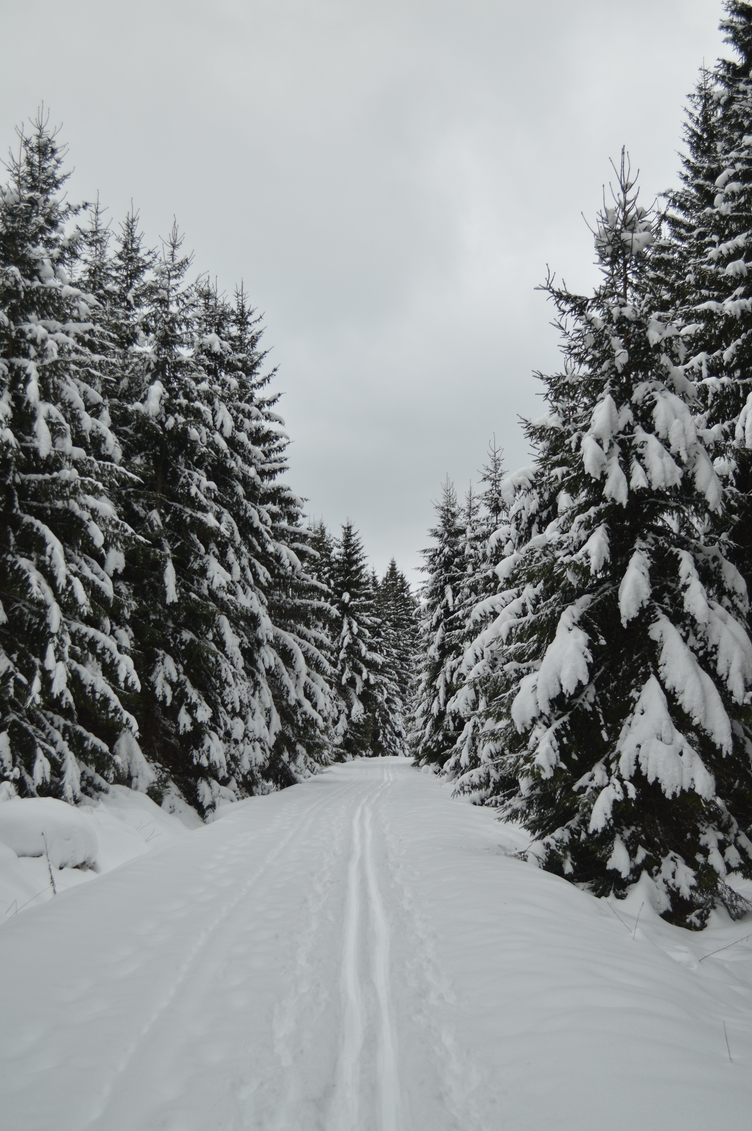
(360, 952)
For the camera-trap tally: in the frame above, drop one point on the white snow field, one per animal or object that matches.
(362, 953)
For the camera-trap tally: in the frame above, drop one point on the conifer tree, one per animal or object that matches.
(492, 496)
(357, 662)
(167, 504)
(620, 730)
(281, 616)
(234, 691)
(436, 725)
(480, 520)
(64, 665)
(397, 638)
(709, 256)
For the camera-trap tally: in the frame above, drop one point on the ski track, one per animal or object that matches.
(365, 963)
(387, 1062)
(302, 965)
(99, 1119)
(287, 983)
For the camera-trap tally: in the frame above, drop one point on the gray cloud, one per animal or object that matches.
(389, 179)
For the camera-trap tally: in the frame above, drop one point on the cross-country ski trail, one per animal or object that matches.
(363, 953)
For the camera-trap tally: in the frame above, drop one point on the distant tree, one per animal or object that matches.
(441, 635)
(357, 661)
(397, 609)
(479, 526)
(492, 496)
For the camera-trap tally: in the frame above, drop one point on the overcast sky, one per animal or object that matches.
(389, 178)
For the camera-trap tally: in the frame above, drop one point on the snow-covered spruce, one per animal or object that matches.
(486, 538)
(477, 577)
(618, 667)
(436, 725)
(64, 662)
(397, 611)
(272, 544)
(234, 695)
(709, 260)
(360, 682)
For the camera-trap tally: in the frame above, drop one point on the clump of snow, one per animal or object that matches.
(597, 548)
(650, 739)
(128, 752)
(635, 589)
(153, 403)
(39, 826)
(563, 668)
(693, 686)
(170, 581)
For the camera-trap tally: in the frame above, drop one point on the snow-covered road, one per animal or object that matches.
(359, 954)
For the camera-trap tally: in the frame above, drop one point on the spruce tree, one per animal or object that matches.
(492, 496)
(64, 664)
(397, 638)
(480, 522)
(709, 258)
(436, 725)
(234, 690)
(617, 700)
(280, 610)
(357, 662)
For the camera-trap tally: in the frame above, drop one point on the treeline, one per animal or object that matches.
(599, 691)
(167, 618)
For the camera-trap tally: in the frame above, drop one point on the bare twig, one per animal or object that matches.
(618, 916)
(728, 1047)
(28, 901)
(49, 865)
(720, 948)
(634, 932)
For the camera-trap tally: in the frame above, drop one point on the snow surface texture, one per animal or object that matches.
(363, 953)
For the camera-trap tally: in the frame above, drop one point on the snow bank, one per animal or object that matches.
(41, 826)
(79, 841)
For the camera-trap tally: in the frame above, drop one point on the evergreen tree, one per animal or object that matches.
(397, 638)
(617, 702)
(234, 691)
(270, 546)
(64, 665)
(492, 496)
(709, 257)
(437, 726)
(357, 662)
(463, 703)
(168, 505)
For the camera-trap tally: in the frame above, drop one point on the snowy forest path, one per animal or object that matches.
(363, 953)
(269, 972)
